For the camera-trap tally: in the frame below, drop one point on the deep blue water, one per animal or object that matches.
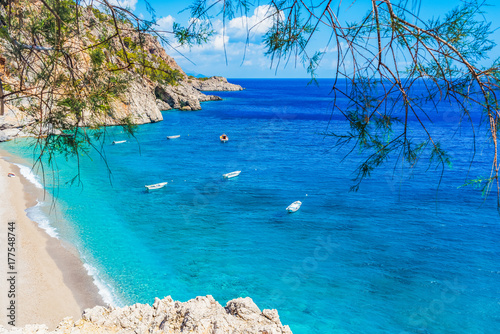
(399, 256)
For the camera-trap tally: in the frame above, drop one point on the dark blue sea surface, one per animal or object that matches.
(411, 252)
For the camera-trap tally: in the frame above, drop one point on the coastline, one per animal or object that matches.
(52, 282)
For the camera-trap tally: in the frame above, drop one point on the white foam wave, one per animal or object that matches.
(27, 172)
(105, 290)
(36, 214)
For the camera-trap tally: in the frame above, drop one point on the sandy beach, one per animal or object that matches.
(50, 281)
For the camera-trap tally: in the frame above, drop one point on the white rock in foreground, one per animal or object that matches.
(197, 316)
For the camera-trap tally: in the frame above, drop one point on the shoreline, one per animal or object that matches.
(51, 282)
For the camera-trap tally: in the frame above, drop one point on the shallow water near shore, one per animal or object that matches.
(398, 256)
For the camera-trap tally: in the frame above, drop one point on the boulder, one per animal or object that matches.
(8, 134)
(244, 308)
(197, 316)
(3, 136)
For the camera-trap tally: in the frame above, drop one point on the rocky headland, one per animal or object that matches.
(213, 84)
(198, 316)
(142, 103)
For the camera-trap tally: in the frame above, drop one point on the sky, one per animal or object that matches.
(230, 54)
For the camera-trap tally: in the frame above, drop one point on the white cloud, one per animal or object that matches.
(253, 26)
(229, 40)
(124, 3)
(165, 23)
(214, 45)
(328, 49)
(218, 42)
(238, 43)
(234, 34)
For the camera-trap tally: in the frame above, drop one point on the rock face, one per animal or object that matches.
(187, 94)
(142, 103)
(197, 316)
(138, 103)
(163, 86)
(13, 123)
(183, 96)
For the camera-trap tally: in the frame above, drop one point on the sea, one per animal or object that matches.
(414, 250)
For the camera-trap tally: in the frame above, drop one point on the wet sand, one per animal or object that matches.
(50, 281)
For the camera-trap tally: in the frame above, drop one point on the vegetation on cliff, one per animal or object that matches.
(66, 67)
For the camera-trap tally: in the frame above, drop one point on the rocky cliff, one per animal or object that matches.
(142, 102)
(201, 315)
(108, 73)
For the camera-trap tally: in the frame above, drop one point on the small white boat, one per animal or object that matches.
(156, 186)
(11, 175)
(224, 138)
(173, 137)
(232, 174)
(119, 141)
(294, 206)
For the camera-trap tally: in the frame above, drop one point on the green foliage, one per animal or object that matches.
(73, 104)
(128, 125)
(198, 78)
(199, 33)
(154, 67)
(7, 87)
(382, 58)
(73, 64)
(484, 184)
(97, 57)
(129, 43)
(313, 65)
(288, 37)
(391, 65)
(439, 155)
(100, 15)
(49, 27)
(64, 71)
(67, 144)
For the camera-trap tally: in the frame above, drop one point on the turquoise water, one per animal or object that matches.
(399, 256)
